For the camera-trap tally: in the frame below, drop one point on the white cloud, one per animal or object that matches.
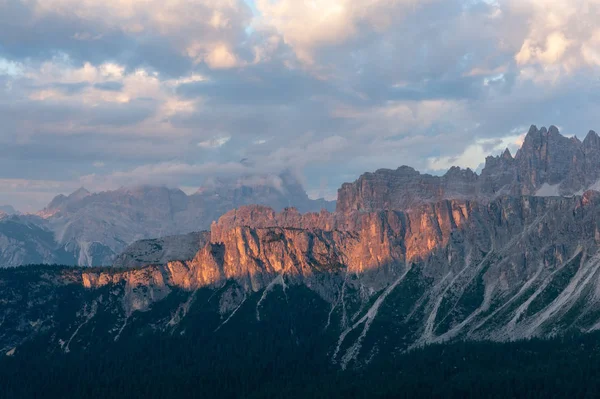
(309, 25)
(10, 68)
(214, 142)
(558, 32)
(221, 57)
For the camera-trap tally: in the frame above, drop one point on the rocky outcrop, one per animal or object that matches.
(547, 164)
(404, 188)
(159, 251)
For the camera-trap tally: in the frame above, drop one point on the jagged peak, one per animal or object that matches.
(147, 188)
(553, 131)
(81, 192)
(458, 171)
(533, 129)
(492, 160)
(56, 201)
(591, 138)
(537, 137)
(533, 135)
(8, 209)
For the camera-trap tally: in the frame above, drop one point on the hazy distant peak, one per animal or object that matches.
(8, 210)
(79, 194)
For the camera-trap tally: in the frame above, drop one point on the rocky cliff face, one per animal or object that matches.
(510, 268)
(547, 164)
(159, 251)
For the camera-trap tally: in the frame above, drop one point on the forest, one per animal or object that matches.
(180, 367)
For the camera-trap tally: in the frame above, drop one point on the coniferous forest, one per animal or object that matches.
(185, 368)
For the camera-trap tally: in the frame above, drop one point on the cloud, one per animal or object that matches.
(176, 92)
(214, 143)
(559, 34)
(31, 195)
(124, 30)
(309, 25)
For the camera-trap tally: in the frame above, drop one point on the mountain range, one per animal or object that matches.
(93, 228)
(405, 261)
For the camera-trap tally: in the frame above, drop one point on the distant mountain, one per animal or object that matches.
(95, 227)
(26, 240)
(8, 209)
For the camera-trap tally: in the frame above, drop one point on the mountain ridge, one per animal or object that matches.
(545, 160)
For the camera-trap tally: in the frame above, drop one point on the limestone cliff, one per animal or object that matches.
(254, 245)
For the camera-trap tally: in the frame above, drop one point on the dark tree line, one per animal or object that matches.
(269, 368)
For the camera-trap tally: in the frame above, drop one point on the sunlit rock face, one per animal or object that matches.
(548, 164)
(509, 268)
(254, 245)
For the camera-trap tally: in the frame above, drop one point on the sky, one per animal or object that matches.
(114, 93)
